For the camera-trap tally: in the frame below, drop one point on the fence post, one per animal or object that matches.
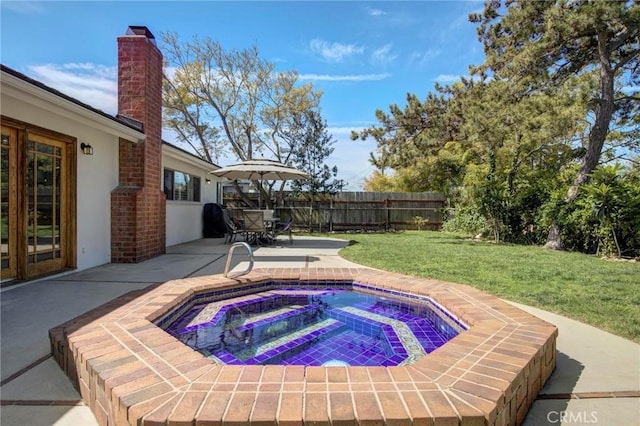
(387, 204)
(331, 213)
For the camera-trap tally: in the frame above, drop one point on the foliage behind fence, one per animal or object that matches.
(375, 211)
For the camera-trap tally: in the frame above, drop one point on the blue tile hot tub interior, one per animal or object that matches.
(329, 323)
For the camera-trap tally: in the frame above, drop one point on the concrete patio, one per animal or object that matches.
(596, 381)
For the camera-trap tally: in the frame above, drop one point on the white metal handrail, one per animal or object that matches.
(230, 255)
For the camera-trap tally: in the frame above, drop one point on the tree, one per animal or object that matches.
(380, 182)
(518, 145)
(486, 137)
(539, 45)
(230, 101)
(409, 140)
(310, 146)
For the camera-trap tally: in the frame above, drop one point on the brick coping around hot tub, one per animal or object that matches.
(130, 372)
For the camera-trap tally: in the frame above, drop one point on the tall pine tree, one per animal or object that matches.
(313, 146)
(539, 45)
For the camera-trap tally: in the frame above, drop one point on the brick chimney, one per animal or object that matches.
(138, 206)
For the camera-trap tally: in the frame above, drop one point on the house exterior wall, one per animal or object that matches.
(118, 211)
(184, 219)
(97, 174)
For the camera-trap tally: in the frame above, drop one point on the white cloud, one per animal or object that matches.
(95, 85)
(450, 78)
(375, 12)
(78, 66)
(353, 77)
(447, 78)
(25, 7)
(422, 58)
(382, 55)
(334, 52)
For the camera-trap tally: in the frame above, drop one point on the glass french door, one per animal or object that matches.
(45, 204)
(35, 203)
(8, 203)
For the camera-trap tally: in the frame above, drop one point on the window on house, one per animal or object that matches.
(181, 186)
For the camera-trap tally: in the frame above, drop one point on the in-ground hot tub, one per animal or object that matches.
(311, 324)
(131, 371)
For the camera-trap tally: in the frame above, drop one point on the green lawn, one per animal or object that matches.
(605, 294)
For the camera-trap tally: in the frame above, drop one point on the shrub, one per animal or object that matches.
(420, 222)
(465, 220)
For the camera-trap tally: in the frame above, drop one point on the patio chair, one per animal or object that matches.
(268, 214)
(255, 230)
(284, 228)
(231, 227)
(270, 221)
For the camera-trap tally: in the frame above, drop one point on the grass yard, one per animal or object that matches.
(605, 294)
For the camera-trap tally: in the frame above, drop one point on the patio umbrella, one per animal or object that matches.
(260, 169)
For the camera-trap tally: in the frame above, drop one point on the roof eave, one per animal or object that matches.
(178, 153)
(16, 87)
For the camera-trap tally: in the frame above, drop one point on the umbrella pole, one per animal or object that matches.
(260, 192)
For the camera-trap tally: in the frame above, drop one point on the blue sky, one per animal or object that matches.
(363, 55)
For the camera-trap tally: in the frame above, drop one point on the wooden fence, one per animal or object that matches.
(370, 211)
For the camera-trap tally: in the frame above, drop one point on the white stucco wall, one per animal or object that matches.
(184, 219)
(97, 175)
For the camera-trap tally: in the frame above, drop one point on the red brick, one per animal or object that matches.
(265, 409)
(367, 409)
(393, 409)
(291, 405)
(138, 207)
(315, 409)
